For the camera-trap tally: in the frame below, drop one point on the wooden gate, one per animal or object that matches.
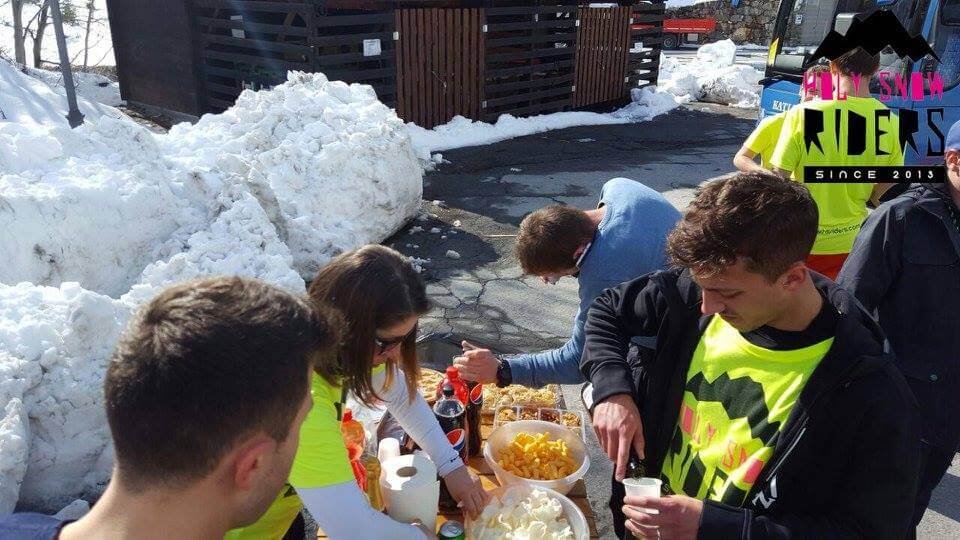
(440, 64)
(603, 45)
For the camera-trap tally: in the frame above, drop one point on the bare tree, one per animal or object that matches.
(91, 7)
(19, 51)
(38, 36)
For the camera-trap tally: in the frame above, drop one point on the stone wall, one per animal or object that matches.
(751, 21)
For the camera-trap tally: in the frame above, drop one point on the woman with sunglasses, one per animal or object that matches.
(381, 298)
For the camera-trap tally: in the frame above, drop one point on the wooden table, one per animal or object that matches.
(479, 466)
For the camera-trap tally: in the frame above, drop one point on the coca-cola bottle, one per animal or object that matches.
(452, 417)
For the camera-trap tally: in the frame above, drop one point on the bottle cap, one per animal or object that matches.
(453, 372)
(347, 415)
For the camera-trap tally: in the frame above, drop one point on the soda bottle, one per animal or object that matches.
(474, 412)
(459, 385)
(452, 417)
(354, 439)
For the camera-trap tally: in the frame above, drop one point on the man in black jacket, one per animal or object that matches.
(905, 264)
(769, 406)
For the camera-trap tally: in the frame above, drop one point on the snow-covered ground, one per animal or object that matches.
(98, 219)
(100, 44)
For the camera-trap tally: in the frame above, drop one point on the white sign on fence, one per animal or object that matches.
(371, 47)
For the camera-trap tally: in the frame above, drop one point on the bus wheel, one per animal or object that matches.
(670, 41)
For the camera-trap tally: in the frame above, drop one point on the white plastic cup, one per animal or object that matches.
(643, 487)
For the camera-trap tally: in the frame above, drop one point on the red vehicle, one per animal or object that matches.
(677, 32)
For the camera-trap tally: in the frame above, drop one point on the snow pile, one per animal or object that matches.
(713, 76)
(334, 162)
(55, 343)
(99, 219)
(460, 132)
(91, 86)
(40, 100)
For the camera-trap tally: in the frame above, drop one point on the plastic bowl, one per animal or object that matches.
(576, 519)
(504, 434)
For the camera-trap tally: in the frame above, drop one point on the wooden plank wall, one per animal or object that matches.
(440, 64)
(338, 39)
(529, 58)
(603, 43)
(248, 44)
(644, 66)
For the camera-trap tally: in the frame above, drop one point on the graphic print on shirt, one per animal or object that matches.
(736, 400)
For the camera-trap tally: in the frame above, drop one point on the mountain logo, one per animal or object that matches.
(873, 34)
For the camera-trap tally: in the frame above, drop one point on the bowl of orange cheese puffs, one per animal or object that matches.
(537, 453)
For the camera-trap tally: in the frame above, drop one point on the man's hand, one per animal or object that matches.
(616, 421)
(476, 364)
(467, 491)
(679, 517)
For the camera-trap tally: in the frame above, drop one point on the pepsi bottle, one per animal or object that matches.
(452, 416)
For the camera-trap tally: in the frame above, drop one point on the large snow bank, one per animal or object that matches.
(712, 76)
(54, 346)
(99, 219)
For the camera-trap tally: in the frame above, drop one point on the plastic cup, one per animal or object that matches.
(643, 487)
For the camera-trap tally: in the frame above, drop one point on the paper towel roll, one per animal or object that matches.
(410, 489)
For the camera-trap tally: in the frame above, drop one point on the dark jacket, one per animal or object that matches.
(846, 462)
(905, 264)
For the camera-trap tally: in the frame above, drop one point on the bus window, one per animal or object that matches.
(808, 23)
(946, 43)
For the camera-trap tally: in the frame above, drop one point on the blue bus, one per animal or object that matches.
(802, 24)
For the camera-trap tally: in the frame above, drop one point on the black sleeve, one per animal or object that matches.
(875, 499)
(874, 261)
(634, 308)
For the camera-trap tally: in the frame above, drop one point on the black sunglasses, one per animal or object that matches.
(385, 345)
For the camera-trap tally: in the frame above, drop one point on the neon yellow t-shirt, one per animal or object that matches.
(842, 206)
(321, 461)
(737, 399)
(764, 138)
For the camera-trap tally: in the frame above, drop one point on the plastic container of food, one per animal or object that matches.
(503, 434)
(572, 420)
(576, 519)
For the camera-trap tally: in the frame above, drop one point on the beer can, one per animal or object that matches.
(451, 530)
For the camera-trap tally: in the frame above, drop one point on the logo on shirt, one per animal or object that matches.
(873, 34)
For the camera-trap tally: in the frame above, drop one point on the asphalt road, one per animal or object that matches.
(488, 190)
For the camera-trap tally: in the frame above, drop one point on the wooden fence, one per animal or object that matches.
(430, 63)
(440, 69)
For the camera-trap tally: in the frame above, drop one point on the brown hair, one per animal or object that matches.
(857, 62)
(203, 365)
(549, 237)
(373, 287)
(815, 71)
(769, 221)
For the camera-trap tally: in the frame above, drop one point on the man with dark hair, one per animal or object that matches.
(905, 265)
(621, 239)
(205, 396)
(769, 407)
(810, 137)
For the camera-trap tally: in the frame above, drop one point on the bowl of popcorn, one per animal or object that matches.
(523, 511)
(538, 454)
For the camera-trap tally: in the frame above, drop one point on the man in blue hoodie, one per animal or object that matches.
(905, 267)
(623, 238)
